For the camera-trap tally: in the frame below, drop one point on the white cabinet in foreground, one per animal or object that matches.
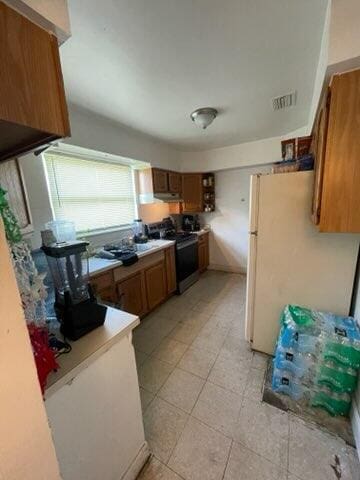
(96, 419)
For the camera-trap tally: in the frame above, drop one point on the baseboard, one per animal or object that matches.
(355, 423)
(227, 268)
(141, 458)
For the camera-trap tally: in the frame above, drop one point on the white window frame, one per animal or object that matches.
(94, 155)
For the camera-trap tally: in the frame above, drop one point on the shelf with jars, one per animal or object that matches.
(208, 183)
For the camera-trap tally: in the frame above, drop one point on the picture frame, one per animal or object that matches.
(288, 149)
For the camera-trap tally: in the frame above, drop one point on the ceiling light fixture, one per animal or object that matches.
(204, 116)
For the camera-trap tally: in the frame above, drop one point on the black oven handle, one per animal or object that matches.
(180, 246)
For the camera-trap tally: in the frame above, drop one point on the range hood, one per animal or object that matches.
(160, 198)
(168, 197)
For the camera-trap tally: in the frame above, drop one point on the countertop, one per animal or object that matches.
(201, 232)
(88, 348)
(100, 265)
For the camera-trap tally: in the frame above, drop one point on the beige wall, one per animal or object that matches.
(26, 448)
(230, 222)
(344, 31)
(52, 15)
(150, 213)
(248, 154)
(92, 131)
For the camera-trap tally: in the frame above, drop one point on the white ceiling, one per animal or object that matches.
(149, 63)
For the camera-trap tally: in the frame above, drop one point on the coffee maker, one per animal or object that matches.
(190, 223)
(75, 306)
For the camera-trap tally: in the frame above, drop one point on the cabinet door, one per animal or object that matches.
(132, 295)
(192, 192)
(170, 269)
(202, 257)
(203, 252)
(340, 198)
(12, 181)
(160, 180)
(207, 250)
(33, 109)
(155, 279)
(174, 182)
(108, 295)
(320, 136)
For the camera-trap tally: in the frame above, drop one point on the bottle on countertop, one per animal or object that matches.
(139, 231)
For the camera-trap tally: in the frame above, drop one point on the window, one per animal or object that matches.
(94, 194)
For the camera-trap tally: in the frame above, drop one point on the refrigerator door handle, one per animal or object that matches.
(253, 233)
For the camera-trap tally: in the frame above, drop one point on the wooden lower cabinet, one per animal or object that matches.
(108, 295)
(170, 270)
(103, 287)
(203, 252)
(155, 280)
(131, 295)
(140, 288)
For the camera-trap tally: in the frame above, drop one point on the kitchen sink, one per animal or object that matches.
(143, 247)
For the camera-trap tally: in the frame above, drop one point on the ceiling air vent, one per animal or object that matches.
(284, 101)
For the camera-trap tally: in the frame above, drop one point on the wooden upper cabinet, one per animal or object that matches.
(160, 180)
(174, 181)
(337, 192)
(33, 108)
(319, 149)
(192, 192)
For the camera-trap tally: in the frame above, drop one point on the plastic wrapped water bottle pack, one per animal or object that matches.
(317, 358)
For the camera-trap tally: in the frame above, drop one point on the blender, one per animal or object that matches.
(75, 305)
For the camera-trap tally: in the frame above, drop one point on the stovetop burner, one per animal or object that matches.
(166, 230)
(178, 237)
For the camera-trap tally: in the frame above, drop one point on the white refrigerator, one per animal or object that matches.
(289, 260)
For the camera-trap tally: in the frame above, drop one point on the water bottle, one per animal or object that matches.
(333, 403)
(296, 363)
(284, 382)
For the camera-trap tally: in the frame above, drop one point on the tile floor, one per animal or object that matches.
(201, 390)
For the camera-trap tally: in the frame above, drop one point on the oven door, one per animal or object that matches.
(187, 264)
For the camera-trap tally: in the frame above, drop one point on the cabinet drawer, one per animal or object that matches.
(120, 273)
(101, 282)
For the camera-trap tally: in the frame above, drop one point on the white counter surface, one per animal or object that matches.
(201, 232)
(91, 346)
(100, 265)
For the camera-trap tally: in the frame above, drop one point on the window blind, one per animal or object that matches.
(95, 195)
